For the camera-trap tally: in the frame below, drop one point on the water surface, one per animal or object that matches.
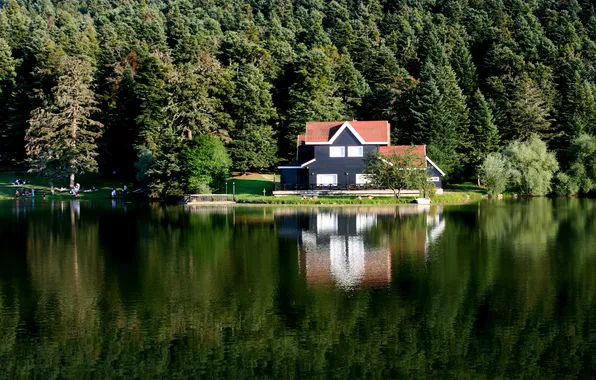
(109, 290)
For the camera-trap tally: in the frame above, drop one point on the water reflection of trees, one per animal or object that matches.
(220, 294)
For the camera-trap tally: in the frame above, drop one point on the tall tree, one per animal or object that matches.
(62, 134)
(529, 113)
(463, 66)
(441, 117)
(484, 132)
(253, 146)
(312, 96)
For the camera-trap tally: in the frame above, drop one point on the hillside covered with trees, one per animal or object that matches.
(154, 89)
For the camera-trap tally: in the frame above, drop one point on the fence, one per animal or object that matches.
(207, 198)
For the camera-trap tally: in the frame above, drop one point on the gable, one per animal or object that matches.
(346, 137)
(366, 132)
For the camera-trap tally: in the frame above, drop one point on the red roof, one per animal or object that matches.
(418, 150)
(376, 131)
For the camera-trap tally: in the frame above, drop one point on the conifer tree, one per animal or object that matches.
(528, 112)
(461, 62)
(312, 96)
(485, 134)
(253, 145)
(441, 116)
(151, 91)
(62, 134)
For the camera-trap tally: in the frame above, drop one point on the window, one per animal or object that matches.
(433, 179)
(326, 179)
(355, 151)
(362, 179)
(337, 151)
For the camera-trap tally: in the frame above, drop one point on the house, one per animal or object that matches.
(332, 155)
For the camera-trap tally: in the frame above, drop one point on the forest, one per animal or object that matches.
(175, 93)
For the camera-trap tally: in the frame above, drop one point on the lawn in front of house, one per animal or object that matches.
(250, 184)
(249, 189)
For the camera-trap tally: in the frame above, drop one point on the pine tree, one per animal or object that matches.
(441, 117)
(151, 91)
(578, 114)
(312, 96)
(62, 134)
(253, 146)
(484, 131)
(461, 62)
(528, 112)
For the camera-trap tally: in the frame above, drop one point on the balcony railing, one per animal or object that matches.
(301, 187)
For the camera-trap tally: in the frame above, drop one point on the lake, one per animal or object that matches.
(107, 289)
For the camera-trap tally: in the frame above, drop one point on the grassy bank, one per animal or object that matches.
(42, 186)
(249, 190)
(456, 197)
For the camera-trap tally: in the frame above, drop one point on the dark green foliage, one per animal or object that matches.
(580, 176)
(483, 131)
(206, 164)
(252, 73)
(253, 146)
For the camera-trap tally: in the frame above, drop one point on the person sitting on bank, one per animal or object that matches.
(113, 193)
(17, 193)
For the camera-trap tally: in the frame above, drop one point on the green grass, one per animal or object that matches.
(42, 185)
(251, 184)
(249, 190)
(466, 186)
(459, 197)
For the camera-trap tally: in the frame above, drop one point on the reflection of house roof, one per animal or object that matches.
(368, 131)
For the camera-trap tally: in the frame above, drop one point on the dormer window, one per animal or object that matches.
(337, 151)
(355, 151)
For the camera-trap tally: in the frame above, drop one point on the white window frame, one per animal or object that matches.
(433, 179)
(356, 151)
(363, 179)
(334, 151)
(320, 183)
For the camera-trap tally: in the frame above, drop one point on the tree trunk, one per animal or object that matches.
(398, 193)
(71, 177)
(478, 176)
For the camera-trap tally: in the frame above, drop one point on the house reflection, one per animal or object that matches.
(355, 247)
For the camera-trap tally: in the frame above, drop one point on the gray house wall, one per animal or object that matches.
(339, 165)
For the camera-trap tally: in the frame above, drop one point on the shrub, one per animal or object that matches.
(207, 164)
(493, 174)
(144, 162)
(530, 166)
(566, 185)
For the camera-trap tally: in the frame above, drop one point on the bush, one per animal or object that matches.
(143, 164)
(429, 189)
(493, 174)
(207, 164)
(566, 185)
(530, 166)
(582, 170)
